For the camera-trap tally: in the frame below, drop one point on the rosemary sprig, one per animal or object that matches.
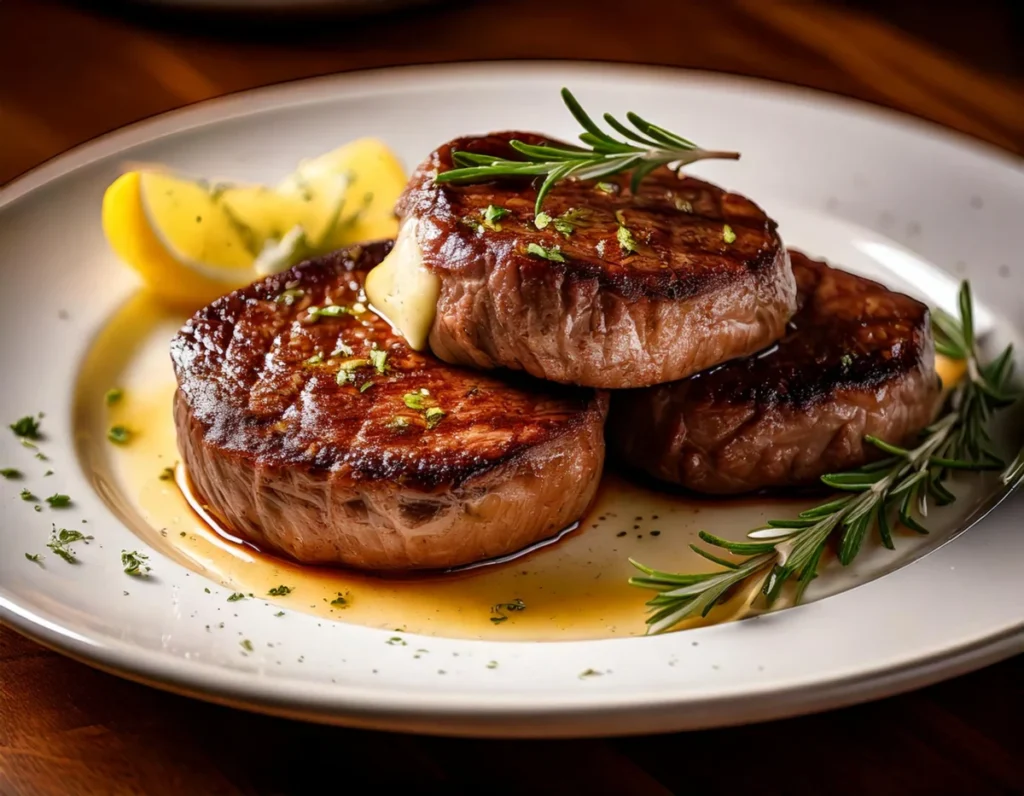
(648, 146)
(881, 495)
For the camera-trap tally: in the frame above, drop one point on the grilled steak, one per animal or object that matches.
(626, 290)
(857, 359)
(368, 472)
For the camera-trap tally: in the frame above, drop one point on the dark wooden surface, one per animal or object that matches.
(69, 73)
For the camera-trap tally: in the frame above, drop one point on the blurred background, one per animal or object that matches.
(72, 70)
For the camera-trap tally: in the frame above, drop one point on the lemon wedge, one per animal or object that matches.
(191, 240)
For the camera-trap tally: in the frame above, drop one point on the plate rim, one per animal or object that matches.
(565, 713)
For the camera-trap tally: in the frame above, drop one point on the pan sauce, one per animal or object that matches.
(573, 589)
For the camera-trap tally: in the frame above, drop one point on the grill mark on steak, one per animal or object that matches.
(314, 470)
(857, 359)
(604, 317)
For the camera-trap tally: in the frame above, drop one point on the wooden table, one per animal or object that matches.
(67, 75)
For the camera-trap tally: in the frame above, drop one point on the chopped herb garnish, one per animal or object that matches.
(288, 297)
(27, 427)
(59, 501)
(541, 220)
(346, 371)
(414, 400)
(492, 215)
(339, 601)
(316, 359)
(379, 359)
(623, 235)
(119, 435)
(846, 360)
(279, 613)
(167, 474)
(59, 541)
(27, 495)
(34, 557)
(607, 187)
(48, 472)
(42, 456)
(134, 563)
(727, 234)
(342, 350)
(434, 415)
(280, 591)
(397, 640)
(683, 205)
(472, 223)
(246, 644)
(500, 609)
(330, 311)
(492, 664)
(399, 423)
(113, 395)
(234, 598)
(553, 254)
(10, 473)
(589, 673)
(365, 386)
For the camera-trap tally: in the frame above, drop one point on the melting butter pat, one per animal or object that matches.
(403, 290)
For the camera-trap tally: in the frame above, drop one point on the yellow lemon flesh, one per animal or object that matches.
(949, 370)
(192, 242)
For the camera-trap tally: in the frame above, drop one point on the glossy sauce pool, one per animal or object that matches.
(575, 588)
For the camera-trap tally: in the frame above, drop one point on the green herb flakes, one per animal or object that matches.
(10, 473)
(340, 601)
(120, 435)
(134, 563)
(500, 609)
(433, 416)
(342, 350)
(365, 386)
(246, 644)
(554, 254)
(280, 591)
(397, 640)
(379, 360)
(626, 240)
(27, 427)
(542, 220)
(279, 613)
(234, 598)
(398, 423)
(167, 474)
(492, 215)
(316, 359)
(113, 395)
(607, 187)
(728, 235)
(414, 400)
(59, 501)
(27, 495)
(60, 539)
(330, 311)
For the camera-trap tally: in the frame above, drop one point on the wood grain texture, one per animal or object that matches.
(68, 74)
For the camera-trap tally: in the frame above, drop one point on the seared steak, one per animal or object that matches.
(625, 290)
(308, 442)
(857, 359)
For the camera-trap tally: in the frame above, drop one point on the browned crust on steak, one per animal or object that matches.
(302, 466)
(686, 300)
(858, 360)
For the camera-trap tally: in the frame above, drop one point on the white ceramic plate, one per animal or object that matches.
(878, 192)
